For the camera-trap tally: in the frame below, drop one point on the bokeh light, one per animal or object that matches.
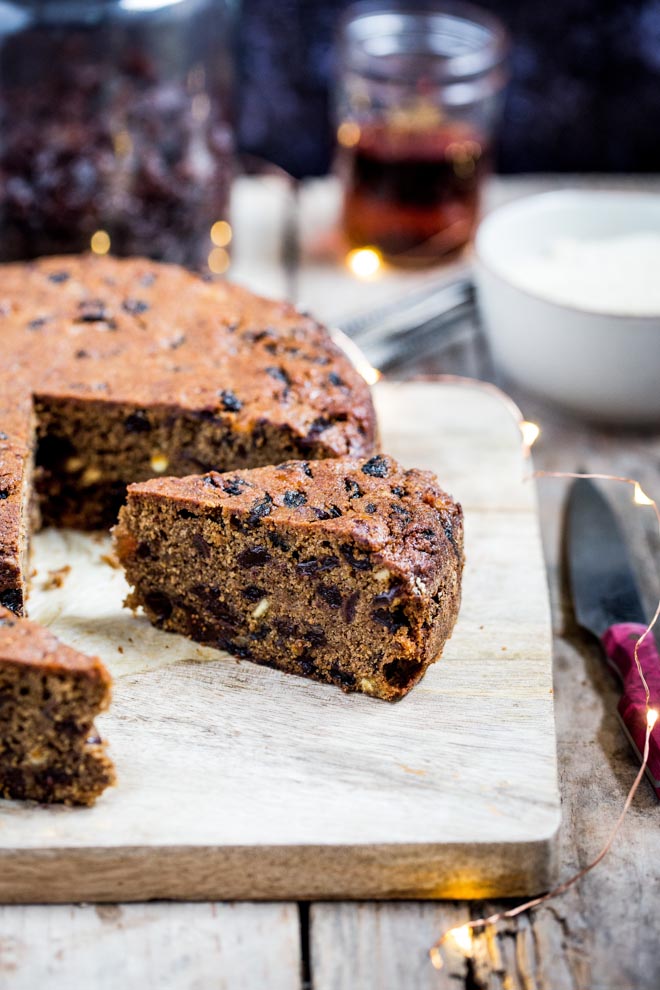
(365, 262)
(221, 233)
(100, 242)
(218, 261)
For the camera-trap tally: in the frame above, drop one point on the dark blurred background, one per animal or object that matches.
(584, 94)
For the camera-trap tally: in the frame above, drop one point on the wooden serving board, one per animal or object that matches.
(236, 781)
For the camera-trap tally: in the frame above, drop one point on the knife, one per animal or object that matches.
(608, 604)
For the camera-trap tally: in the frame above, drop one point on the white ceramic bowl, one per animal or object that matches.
(602, 366)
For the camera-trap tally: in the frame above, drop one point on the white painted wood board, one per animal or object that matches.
(158, 946)
(237, 781)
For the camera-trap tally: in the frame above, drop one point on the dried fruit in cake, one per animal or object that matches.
(49, 698)
(114, 371)
(345, 570)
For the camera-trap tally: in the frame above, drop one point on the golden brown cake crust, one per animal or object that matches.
(134, 368)
(402, 517)
(136, 332)
(28, 643)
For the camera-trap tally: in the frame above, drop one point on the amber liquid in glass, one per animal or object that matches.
(413, 192)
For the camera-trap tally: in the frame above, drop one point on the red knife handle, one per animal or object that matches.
(619, 643)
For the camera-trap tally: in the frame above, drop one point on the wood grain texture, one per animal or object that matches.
(602, 936)
(237, 781)
(150, 947)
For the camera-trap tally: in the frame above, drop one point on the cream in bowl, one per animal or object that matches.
(569, 291)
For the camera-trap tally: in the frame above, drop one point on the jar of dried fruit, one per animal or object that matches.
(115, 127)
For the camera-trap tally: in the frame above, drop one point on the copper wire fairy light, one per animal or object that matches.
(462, 935)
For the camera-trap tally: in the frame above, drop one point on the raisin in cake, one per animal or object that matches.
(49, 697)
(344, 570)
(114, 371)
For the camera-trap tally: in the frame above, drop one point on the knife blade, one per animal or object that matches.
(608, 604)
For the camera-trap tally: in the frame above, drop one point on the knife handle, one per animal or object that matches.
(619, 643)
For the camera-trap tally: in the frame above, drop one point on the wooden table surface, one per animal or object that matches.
(601, 935)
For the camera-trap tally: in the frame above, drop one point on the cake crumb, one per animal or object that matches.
(417, 773)
(56, 578)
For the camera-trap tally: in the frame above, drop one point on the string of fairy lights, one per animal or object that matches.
(365, 264)
(461, 937)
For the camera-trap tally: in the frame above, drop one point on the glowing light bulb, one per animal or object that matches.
(640, 497)
(122, 143)
(100, 242)
(221, 233)
(218, 260)
(462, 937)
(348, 134)
(364, 262)
(530, 433)
(651, 717)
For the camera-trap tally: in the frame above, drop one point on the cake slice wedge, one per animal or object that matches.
(49, 697)
(344, 570)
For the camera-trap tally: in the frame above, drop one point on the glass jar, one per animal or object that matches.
(115, 128)
(419, 92)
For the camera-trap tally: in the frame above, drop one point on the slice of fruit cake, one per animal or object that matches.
(345, 570)
(49, 697)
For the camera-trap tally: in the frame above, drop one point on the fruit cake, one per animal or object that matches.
(49, 697)
(345, 570)
(115, 371)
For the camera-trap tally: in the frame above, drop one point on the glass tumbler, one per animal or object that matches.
(419, 92)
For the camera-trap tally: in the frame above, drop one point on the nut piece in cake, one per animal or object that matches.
(345, 570)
